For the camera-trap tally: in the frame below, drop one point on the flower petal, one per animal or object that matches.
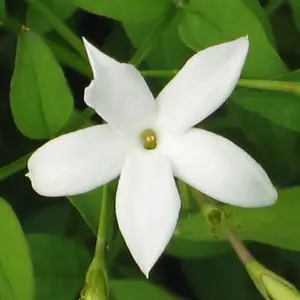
(119, 93)
(77, 162)
(147, 206)
(219, 169)
(202, 85)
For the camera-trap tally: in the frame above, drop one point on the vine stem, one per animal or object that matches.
(146, 47)
(102, 228)
(59, 26)
(261, 84)
(96, 282)
(14, 167)
(238, 246)
(184, 193)
(271, 85)
(272, 6)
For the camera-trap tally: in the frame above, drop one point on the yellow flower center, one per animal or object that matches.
(149, 139)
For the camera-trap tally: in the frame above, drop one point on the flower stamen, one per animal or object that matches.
(149, 139)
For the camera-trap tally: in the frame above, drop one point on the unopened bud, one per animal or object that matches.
(271, 286)
(95, 285)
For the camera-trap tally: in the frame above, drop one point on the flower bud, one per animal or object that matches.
(95, 285)
(270, 285)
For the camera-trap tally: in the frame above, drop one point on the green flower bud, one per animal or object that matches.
(95, 285)
(270, 285)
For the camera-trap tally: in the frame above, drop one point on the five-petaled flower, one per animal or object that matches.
(148, 142)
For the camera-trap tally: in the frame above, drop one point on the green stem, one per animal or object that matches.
(184, 193)
(20, 164)
(103, 224)
(96, 282)
(272, 6)
(270, 85)
(159, 73)
(59, 26)
(86, 114)
(217, 216)
(261, 84)
(70, 59)
(238, 246)
(14, 166)
(146, 47)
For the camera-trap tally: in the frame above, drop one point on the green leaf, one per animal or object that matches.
(279, 107)
(162, 55)
(258, 11)
(204, 24)
(267, 142)
(285, 263)
(62, 10)
(59, 264)
(53, 219)
(16, 274)
(295, 6)
(184, 249)
(125, 10)
(41, 101)
(118, 45)
(2, 10)
(133, 289)
(88, 205)
(253, 224)
(225, 272)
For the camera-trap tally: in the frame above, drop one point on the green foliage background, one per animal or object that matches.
(46, 245)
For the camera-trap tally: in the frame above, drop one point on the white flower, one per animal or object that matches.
(148, 142)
